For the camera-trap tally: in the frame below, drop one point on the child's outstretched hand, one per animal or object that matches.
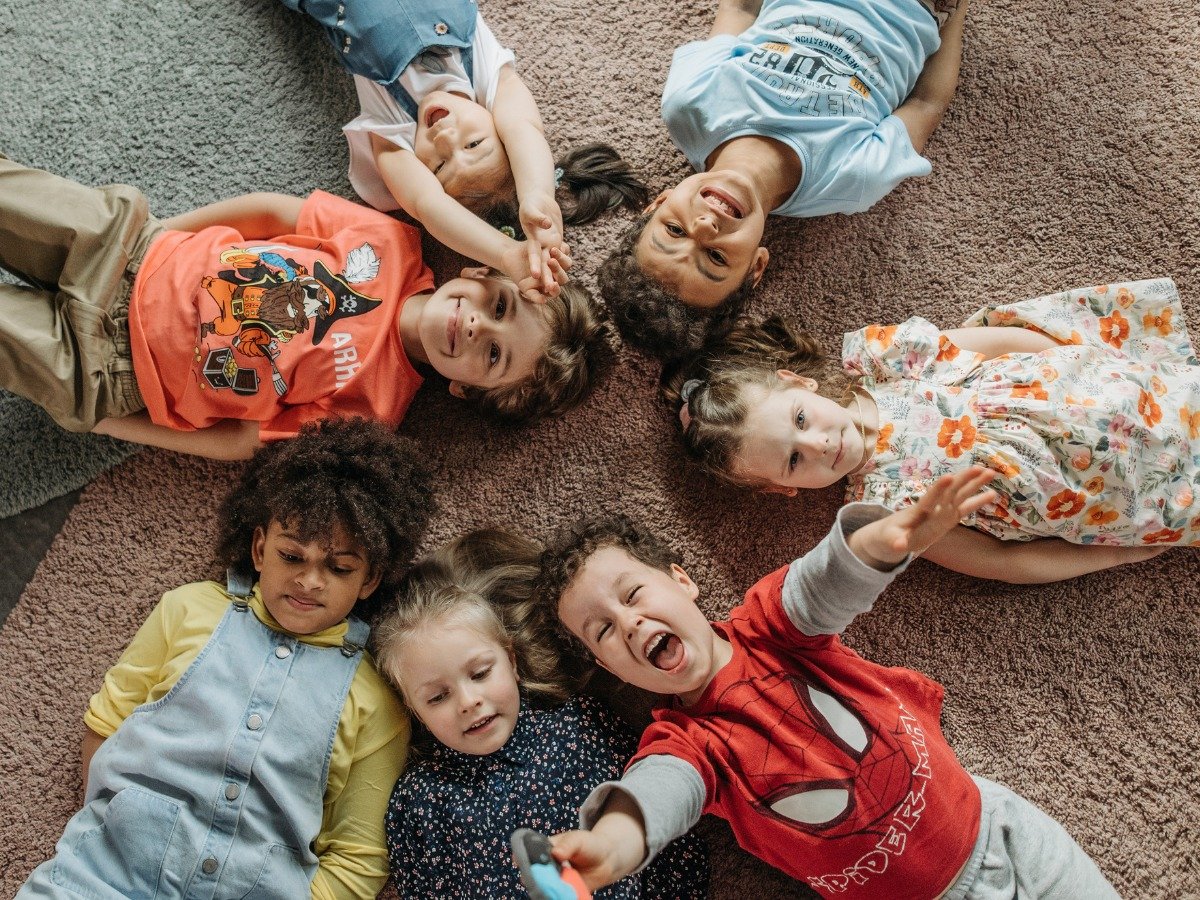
(541, 220)
(886, 542)
(553, 269)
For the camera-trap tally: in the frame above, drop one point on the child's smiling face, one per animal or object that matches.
(642, 624)
(795, 438)
(456, 140)
(308, 586)
(478, 332)
(462, 684)
(702, 240)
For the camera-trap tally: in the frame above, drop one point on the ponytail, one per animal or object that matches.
(597, 180)
(708, 391)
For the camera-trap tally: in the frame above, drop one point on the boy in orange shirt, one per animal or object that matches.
(214, 330)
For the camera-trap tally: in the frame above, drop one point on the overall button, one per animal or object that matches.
(441, 27)
(254, 722)
(232, 791)
(283, 652)
(209, 865)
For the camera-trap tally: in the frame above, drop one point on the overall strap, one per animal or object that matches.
(355, 640)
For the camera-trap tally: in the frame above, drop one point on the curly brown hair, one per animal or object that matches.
(571, 546)
(350, 473)
(651, 318)
(577, 355)
(747, 354)
(486, 579)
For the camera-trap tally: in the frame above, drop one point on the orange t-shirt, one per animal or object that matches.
(280, 331)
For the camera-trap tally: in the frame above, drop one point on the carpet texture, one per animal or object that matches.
(1068, 159)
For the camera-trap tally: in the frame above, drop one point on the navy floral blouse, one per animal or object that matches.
(451, 814)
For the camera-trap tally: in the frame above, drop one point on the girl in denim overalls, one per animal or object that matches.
(244, 745)
(450, 134)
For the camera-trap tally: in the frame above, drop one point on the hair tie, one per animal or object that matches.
(558, 174)
(509, 230)
(689, 388)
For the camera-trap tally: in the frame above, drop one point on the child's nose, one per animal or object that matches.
(311, 579)
(705, 223)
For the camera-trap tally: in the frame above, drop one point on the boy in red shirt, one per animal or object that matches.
(238, 322)
(829, 767)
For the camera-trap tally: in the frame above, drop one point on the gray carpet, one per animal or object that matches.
(1069, 158)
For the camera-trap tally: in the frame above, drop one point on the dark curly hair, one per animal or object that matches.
(571, 546)
(594, 180)
(575, 357)
(747, 354)
(351, 473)
(651, 318)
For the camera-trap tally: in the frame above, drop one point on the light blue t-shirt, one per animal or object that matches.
(821, 76)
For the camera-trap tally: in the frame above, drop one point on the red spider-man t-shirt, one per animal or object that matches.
(829, 767)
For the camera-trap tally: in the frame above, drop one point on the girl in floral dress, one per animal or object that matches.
(1087, 407)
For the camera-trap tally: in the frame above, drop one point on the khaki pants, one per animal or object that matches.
(64, 341)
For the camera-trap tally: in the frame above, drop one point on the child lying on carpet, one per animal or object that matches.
(506, 748)
(1089, 412)
(244, 744)
(829, 767)
(450, 134)
(792, 107)
(240, 321)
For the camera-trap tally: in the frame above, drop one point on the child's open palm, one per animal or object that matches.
(914, 528)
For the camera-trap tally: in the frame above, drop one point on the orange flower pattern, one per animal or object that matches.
(1096, 440)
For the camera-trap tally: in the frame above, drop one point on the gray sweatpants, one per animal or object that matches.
(1023, 854)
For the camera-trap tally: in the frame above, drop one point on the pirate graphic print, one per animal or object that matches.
(264, 300)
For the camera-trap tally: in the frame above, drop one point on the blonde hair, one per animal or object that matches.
(485, 580)
(715, 382)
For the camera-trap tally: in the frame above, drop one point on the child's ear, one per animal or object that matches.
(257, 545)
(458, 389)
(761, 257)
(656, 202)
(803, 381)
(371, 583)
(475, 272)
(778, 489)
(684, 580)
(598, 661)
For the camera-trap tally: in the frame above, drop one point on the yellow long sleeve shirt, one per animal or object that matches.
(368, 749)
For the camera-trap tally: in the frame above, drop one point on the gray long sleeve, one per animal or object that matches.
(828, 586)
(668, 792)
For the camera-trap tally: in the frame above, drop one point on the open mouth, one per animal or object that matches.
(481, 724)
(435, 114)
(452, 326)
(722, 202)
(664, 651)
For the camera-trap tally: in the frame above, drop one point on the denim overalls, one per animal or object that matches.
(164, 818)
(377, 39)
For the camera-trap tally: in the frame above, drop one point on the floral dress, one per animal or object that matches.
(1096, 441)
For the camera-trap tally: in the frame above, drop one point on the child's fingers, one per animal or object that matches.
(562, 256)
(530, 289)
(534, 252)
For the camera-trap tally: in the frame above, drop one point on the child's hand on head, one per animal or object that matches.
(541, 220)
(887, 541)
(540, 274)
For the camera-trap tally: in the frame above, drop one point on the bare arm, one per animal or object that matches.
(255, 216)
(87, 749)
(1027, 562)
(993, 341)
(228, 439)
(519, 126)
(922, 112)
(422, 196)
(734, 16)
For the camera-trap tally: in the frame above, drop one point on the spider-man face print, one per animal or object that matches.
(818, 767)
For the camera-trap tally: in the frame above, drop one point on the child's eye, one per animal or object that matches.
(288, 557)
(800, 419)
(600, 634)
(717, 256)
(674, 230)
(436, 699)
(501, 307)
(340, 570)
(474, 144)
(494, 354)
(438, 167)
(482, 674)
